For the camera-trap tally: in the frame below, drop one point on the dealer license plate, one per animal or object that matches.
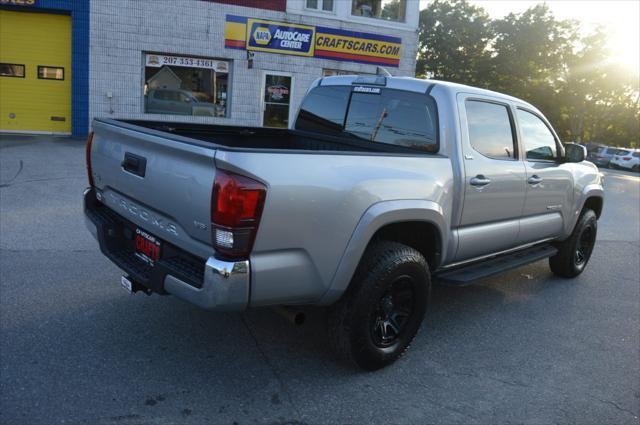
(147, 247)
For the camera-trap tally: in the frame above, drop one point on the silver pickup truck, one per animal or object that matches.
(383, 185)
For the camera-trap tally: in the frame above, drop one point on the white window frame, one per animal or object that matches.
(263, 105)
(373, 18)
(319, 9)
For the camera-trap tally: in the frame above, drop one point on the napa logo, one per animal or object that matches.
(262, 36)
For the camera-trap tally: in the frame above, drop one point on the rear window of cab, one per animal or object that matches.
(373, 114)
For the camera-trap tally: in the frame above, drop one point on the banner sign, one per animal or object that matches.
(311, 41)
(276, 37)
(19, 2)
(158, 61)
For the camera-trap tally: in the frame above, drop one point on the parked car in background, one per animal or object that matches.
(626, 158)
(602, 156)
(179, 102)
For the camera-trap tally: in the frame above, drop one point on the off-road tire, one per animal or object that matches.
(349, 321)
(566, 262)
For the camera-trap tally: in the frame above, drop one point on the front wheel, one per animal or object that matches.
(378, 316)
(575, 252)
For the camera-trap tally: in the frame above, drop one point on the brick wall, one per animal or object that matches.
(122, 30)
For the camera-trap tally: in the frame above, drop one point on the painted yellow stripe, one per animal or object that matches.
(235, 31)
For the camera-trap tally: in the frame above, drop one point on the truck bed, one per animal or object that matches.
(237, 137)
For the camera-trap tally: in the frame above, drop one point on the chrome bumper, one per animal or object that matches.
(225, 286)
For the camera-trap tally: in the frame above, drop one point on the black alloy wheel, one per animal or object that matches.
(584, 247)
(574, 252)
(393, 312)
(378, 316)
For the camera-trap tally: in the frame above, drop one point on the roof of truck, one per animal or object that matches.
(416, 84)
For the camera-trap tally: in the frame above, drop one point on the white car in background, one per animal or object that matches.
(626, 158)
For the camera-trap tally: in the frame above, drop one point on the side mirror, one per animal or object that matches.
(574, 152)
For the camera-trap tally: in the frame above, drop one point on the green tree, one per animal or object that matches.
(529, 55)
(453, 42)
(599, 97)
(538, 58)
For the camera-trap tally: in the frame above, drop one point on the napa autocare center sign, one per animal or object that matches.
(311, 41)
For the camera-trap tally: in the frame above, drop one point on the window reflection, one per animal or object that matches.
(186, 86)
(390, 10)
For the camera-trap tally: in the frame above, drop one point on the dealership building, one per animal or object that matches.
(228, 62)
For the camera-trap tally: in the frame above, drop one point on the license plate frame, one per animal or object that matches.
(147, 247)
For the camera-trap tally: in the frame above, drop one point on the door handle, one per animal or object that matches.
(534, 179)
(134, 164)
(479, 181)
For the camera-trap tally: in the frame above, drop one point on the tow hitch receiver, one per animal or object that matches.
(132, 287)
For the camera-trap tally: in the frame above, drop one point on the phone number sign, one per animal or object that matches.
(158, 61)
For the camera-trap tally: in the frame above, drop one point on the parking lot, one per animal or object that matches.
(523, 347)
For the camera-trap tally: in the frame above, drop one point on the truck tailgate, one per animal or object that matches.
(162, 184)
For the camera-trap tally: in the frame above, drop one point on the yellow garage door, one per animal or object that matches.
(35, 72)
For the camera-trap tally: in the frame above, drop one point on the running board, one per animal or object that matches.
(466, 275)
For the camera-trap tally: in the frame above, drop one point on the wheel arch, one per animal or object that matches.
(416, 223)
(594, 203)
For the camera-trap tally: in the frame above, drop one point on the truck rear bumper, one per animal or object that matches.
(212, 284)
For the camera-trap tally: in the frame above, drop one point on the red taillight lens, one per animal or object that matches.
(627, 158)
(236, 207)
(88, 159)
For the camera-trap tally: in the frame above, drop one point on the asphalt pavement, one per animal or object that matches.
(75, 348)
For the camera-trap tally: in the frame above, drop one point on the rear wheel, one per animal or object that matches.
(575, 252)
(377, 318)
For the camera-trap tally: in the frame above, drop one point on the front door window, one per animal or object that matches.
(277, 90)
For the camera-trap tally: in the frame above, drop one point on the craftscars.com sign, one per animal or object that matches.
(19, 2)
(311, 41)
(158, 61)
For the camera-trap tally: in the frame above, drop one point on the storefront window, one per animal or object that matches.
(178, 85)
(390, 10)
(277, 91)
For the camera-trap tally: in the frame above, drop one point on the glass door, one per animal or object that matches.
(276, 100)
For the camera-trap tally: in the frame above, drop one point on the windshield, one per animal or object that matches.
(201, 97)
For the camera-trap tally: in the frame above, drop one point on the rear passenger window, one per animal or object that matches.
(490, 131)
(393, 117)
(324, 109)
(539, 142)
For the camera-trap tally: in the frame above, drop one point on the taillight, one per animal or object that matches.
(627, 158)
(88, 153)
(236, 207)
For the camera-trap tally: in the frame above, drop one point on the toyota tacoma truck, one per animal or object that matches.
(382, 185)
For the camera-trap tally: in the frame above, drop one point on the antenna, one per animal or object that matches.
(382, 71)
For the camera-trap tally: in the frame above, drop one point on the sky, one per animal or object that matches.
(620, 17)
